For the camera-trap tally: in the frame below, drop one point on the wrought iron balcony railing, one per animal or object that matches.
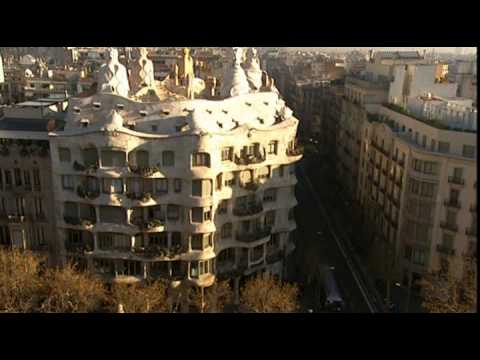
(249, 209)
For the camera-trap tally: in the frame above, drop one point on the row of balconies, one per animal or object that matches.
(157, 251)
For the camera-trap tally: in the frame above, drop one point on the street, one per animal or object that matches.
(316, 243)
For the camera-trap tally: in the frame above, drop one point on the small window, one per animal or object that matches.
(177, 185)
(168, 158)
(67, 181)
(443, 147)
(197, 241)
(197, 215)
(469, 151)
(8, 178)
(154, 128)
(223, 207)
(273, 147)
(36, 179)
(18, 177)
(161, 186)
(64, 154)
(227, 154)
(270, 195)
(200, 159)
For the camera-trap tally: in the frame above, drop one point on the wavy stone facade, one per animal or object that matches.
(188, 190)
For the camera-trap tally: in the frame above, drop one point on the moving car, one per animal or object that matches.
(333, 301)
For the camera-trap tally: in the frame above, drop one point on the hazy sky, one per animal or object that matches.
(466, 50)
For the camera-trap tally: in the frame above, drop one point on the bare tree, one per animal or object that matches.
(68, 291)
(19, 281)
(265, 294)
(444, 292)
(140, 298)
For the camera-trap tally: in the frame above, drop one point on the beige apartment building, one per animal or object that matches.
(415, 179)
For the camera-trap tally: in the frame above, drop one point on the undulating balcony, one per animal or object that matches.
(248, 209)
(255, 235)
(249, 159)
(150, 224)
(144, 171)
(445, 250)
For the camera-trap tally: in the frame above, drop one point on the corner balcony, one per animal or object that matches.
(296, 151)
(445, 250)
(456, 180)
(253, 236)
(249, 209)
(448, 226)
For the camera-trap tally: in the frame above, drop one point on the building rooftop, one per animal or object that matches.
(398, 55)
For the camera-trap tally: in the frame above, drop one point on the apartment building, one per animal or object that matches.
(413, 175)
(188, 190)
(26, 191)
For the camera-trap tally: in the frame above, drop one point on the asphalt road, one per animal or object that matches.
(316, 244)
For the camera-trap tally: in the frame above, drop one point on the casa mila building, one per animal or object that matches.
(187, 179)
